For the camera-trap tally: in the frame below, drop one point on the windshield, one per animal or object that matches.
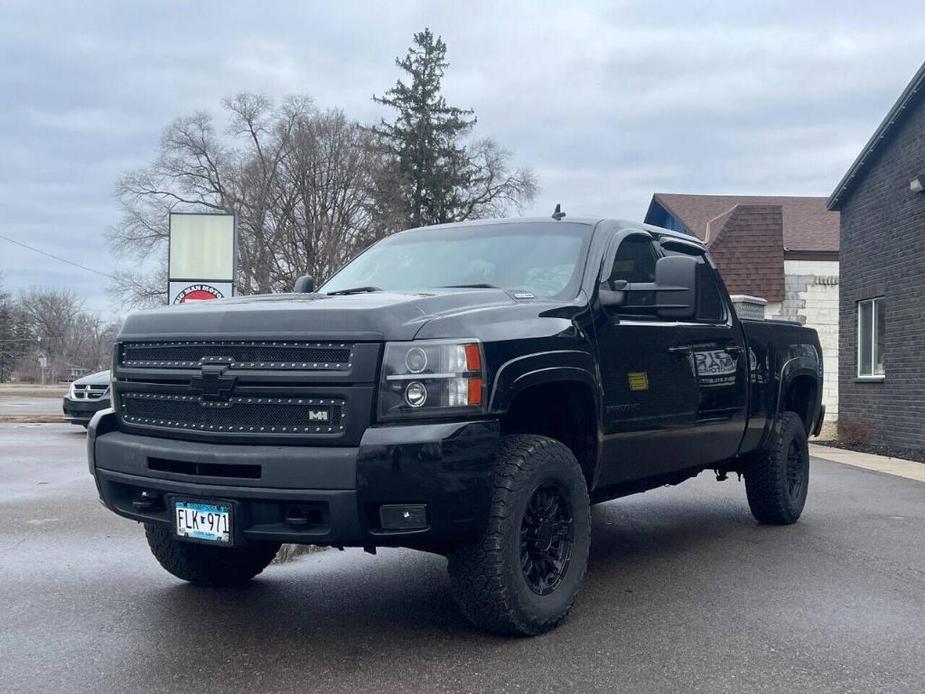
(542, 258)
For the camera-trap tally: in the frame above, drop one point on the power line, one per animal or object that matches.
(55, 257)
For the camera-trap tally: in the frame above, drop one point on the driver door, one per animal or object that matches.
(650, 389)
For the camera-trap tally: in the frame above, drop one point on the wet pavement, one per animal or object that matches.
(684, 593)
(18, 406)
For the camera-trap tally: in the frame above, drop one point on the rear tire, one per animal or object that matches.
(522, 575)
(212, 567)
(777, 480)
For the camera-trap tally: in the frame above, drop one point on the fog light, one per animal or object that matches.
(416, 394)
(403, 516)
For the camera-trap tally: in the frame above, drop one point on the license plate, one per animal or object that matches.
(206, 521)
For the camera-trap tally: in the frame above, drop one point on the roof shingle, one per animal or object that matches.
(749, 251)
(807, 224)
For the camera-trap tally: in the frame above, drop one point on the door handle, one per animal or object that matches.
(733, 349)
(680, 350)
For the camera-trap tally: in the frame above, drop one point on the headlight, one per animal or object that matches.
(432, 378)
(70, 392)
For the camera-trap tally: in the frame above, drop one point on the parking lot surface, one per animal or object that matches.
(685, 592)
(17, 406)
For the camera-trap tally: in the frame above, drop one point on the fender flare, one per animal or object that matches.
(790, 371)
(556, 366)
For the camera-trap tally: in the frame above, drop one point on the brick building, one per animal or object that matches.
(882, 206)
(780, 248)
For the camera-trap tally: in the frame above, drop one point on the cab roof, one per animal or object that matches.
(588, 221)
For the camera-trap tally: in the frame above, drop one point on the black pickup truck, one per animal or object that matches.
(466, 389)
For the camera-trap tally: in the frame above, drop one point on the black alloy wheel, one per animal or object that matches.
(796, 470)
(547, 533)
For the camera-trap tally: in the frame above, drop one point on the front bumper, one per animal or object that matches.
(82, 411)
(309, 494)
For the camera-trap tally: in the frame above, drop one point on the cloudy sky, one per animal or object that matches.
(607, 102)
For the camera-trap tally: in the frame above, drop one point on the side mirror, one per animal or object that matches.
(615, 295)
(304, 285)
(676, 282)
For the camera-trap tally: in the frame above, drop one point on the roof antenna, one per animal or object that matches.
(558, 214)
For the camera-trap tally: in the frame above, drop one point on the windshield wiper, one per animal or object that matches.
(479, 285)
(355, 290)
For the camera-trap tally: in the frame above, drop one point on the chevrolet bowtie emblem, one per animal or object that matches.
(214, 382)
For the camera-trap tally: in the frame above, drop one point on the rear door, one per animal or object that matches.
(714, 344)
(650, 392)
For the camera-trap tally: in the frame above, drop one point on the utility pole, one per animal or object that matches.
(43, 363)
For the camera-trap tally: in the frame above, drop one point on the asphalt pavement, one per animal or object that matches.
(18, 406)
(684, 593)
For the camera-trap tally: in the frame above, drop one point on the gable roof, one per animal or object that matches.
(807, 224)
(747, 246)
(909, 97)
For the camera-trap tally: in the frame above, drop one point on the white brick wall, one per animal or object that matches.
(812, 299)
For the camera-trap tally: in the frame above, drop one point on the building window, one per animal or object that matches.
(871, 337)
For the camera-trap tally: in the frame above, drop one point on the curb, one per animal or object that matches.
(898, 467)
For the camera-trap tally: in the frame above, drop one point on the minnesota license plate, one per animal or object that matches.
(206, 521)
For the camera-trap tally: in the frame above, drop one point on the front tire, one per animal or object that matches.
(212, 567)
(522, 575)
(777, 480)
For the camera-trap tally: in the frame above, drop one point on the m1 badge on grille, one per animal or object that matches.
(319, 415)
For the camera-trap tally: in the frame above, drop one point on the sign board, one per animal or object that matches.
(201, 259)
(187, 292)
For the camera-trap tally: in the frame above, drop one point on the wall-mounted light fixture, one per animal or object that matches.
(917, 185)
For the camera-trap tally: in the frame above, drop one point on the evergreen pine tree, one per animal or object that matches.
(425, 137)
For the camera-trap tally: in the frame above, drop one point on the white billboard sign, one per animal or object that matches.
(201, 259)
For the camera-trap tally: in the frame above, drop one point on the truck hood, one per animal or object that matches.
(373, 316)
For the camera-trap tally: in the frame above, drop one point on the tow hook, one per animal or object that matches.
(721, 475)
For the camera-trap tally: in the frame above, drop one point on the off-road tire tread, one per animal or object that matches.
(766, 474)
(478, 586)
(197, 563)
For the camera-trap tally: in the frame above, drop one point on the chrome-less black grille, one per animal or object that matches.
(240, 354)
(284, 391)
(238, 414)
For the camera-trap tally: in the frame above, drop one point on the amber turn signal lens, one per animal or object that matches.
(475, 391)
(473, 358)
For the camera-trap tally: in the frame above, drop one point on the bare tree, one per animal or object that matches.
(53, 323)
(308, 188)
(327, 197)
(52, 316)
(492, 189)
(90, 345)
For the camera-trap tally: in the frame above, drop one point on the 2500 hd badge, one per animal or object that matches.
(466, 389)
